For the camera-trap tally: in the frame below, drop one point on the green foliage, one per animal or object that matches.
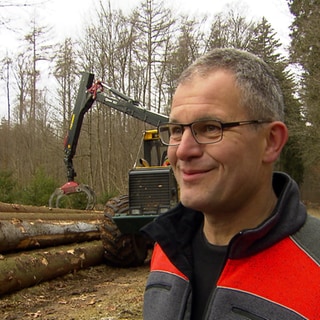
(106, 196)
(7, 186)
(291, 161)
(39, 189)
(305, 52)
(266, 45)
(74, 201)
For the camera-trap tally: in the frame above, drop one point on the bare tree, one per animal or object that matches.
(153, 23)
(22, 82)
(188, 44)
(39, 50)
(230, 30)
(5, 75)
(65, 71)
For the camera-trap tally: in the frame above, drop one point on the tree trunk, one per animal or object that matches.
(20, 235)
(18, 271)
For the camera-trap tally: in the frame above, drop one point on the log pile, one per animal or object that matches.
(39, 243)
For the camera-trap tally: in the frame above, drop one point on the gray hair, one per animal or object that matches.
(260, 91)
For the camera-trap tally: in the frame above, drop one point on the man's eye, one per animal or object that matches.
(207, 128)
(175, 130)
(210, 128)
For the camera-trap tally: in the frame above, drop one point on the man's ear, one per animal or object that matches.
(276, 138)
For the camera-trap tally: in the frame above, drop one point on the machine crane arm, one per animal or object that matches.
(89, 92)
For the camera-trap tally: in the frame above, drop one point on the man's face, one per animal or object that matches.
(224, 175)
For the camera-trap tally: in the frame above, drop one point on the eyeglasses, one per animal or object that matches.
(203, 131)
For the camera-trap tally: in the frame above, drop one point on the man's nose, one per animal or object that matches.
(188, 146)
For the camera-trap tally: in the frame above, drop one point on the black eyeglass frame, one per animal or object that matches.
(223, 125)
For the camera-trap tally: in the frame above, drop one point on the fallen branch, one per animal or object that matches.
(27, 269)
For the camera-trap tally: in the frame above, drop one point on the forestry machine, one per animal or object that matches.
(152, 186)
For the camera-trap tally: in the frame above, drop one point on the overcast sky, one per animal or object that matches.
(276, 11)
(69, 17)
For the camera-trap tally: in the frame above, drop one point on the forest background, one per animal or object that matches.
(141, 53)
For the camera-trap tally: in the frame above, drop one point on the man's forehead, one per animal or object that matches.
(216, 95)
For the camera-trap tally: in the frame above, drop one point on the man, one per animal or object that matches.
(240, 245)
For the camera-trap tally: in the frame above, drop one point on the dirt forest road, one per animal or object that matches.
(96, 293)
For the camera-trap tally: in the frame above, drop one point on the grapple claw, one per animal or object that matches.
(72, 187)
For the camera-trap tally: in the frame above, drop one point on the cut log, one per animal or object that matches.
(20, 235)
(23, 212)
(48, 216)
(9, 207)
(27, 269)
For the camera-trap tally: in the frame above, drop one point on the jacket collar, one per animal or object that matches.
(287, 217)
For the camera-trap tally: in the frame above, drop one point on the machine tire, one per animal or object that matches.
(121, 250)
